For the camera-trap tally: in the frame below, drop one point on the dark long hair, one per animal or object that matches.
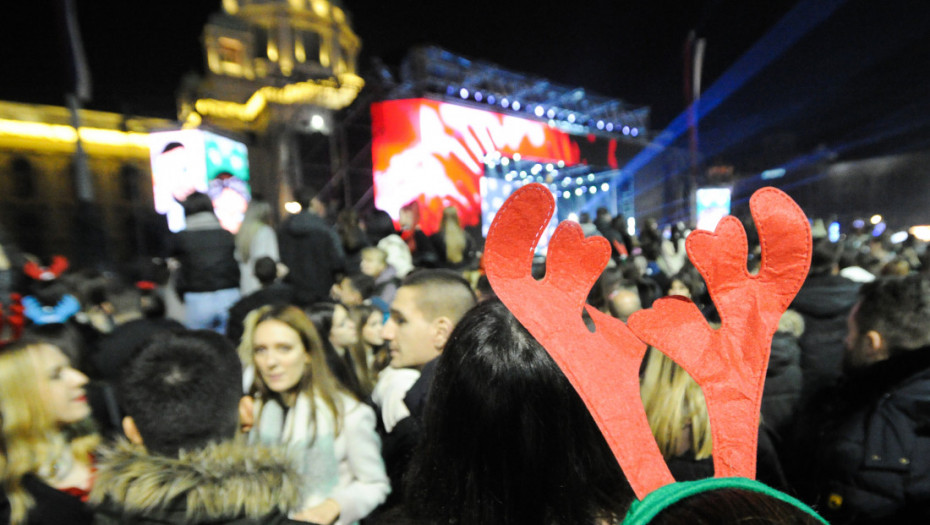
(506, 437)
(342, 366)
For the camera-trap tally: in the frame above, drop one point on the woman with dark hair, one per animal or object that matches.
(353, 238)
(506, 437)
(339, 333)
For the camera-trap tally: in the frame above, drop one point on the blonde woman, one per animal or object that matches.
(255, 239)
(677, 416)
(47, 471)
(298, 403)
(453, 244)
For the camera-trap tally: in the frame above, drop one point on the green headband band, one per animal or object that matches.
(642, 512)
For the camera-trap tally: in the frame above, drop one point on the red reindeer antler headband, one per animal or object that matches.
(729, 364)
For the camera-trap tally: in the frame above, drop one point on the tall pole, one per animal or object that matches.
(89, 230)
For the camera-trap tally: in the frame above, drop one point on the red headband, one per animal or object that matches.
(729, 364)
(42, 273)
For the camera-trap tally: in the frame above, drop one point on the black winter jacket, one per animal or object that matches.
(864, 447)
(825, 302)
(207, 255)
(313, 254)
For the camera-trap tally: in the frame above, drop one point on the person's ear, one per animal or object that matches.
(132, 431)
(876, 351)
(442, 329)
(246, 418)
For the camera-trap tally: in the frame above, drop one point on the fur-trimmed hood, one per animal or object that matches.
(223, 481)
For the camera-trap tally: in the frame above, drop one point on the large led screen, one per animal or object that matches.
(186, 161)
(434, 153)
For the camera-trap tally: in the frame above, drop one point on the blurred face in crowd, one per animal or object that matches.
(63, 386)
(343, 333)
(280, 356)
(372, 266)
(862, 349)
(410, 335)
(678, 288)
(371, 331)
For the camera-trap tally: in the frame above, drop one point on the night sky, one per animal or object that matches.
(867, 62)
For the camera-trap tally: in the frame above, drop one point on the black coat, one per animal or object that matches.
(207, 255)
(863, 449)
(52, 506)
(313, 254)
(825, 302)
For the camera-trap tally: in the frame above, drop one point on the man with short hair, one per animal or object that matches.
(427, 306)
(864, 447)
(183, 400)
(310, 249)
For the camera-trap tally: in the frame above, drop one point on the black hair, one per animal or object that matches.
(825, 257)
(183, 390)
(266, 270)
(342, 366)
(898, 308)
(733, 506)
(171, 146)
(363, 284)
(305, 195)
(197, 202)
(506, 438)
(378, 225)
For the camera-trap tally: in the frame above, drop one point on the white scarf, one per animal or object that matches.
(314, 455)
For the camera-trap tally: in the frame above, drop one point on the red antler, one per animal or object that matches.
(603, 366)
(730, 363)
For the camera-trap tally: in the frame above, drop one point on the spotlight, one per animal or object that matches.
(504, 102)
(492, 99)
(478, 96)
(634, 131)
(536, 169)
(572, 217)
(579, 191)
(516, 105)
(463, 93)
(626, 130)
(450, 90)
(561, 163)
(590, 176)
(505, 161)
(609, 126)
(550, 113)
(592, 190)
(605, 186)
(571, 117)
(566, 195)
(566, 180)
(600, 124)
(876, 219)
(579, 180)
(539, 111)
(549, 167)
(522, 174)
(517, 156)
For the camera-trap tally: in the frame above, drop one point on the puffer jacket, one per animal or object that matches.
(864, 448)
(228, 483)
(207, 255)
(313, 254)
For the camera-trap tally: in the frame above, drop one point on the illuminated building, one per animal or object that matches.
(275, 69)
(37, 186)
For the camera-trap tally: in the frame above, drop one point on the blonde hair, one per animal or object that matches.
(674, 403)
(453, 235)
(317, 380)
(258, 214)
(31, 437)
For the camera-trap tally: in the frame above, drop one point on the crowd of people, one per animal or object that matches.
(338, 370)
